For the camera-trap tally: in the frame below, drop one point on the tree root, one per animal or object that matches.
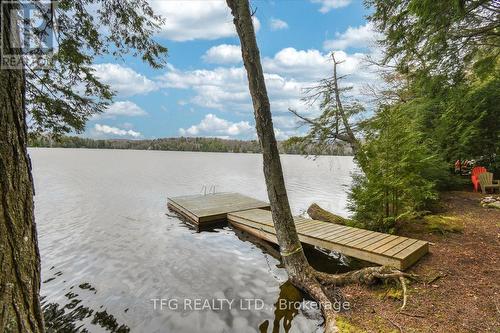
(368, 275)
(315, 282)
(403, 285)
(312, 286)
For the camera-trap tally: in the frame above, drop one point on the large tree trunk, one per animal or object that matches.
(299, 272)
(19, 258)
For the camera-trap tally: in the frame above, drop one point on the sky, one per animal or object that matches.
(203, 89)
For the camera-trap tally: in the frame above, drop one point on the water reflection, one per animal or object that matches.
(72, 317)
(105, 237)
(283, 316)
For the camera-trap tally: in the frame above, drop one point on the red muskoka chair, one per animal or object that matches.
(474, 173)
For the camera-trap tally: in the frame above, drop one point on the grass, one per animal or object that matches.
(443, 224)
(345, 326)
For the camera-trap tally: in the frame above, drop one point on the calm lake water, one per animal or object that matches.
(109, 245)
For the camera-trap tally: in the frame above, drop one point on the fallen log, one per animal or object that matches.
(318, 213)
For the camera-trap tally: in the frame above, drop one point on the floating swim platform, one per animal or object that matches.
(254, 217)
(202, 210)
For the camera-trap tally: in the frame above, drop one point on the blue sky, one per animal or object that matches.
(203, 90)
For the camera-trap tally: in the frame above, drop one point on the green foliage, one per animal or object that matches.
(469, 126)
(443, 106)
(306, 146)
(61, 97)
(439, 36)
(411, 145)
(400, 170)
(463, 119)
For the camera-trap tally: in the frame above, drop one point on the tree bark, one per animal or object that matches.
(20, 309)
(300, 273)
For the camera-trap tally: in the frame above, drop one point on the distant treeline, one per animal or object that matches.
(183, 144)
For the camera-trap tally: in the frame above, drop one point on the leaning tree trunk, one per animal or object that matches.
(299, 272)
(298, 269)
(291, 249)
(19, 258)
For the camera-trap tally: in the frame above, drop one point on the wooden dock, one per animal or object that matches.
(253, 216)
(384, 249)
(203, 210)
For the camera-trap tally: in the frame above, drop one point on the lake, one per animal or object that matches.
(111, 250)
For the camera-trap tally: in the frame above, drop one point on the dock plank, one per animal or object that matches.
(311, 227)
(355, 237)
(369, 235)
(383, 241)
(374, 239)
(323, 232)
(390, 245)
(400, 247)
(335, 232)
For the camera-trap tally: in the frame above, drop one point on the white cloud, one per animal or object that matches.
(277, 24)
(287, 74)
(115, 131)
(196, 19)
(124, 80)
(175, 78)
(123, 108)
(285, 121)
(219, 88)
(223, 54)
(212, 125)
(227, 88)
(309, 66)
(303, 63)
(327, 5)
(363, 36)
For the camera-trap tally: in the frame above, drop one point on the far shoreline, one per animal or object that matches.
(187, 151)
(191, 144)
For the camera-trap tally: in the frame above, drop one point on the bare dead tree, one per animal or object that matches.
(334, 123)
(395, 88)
